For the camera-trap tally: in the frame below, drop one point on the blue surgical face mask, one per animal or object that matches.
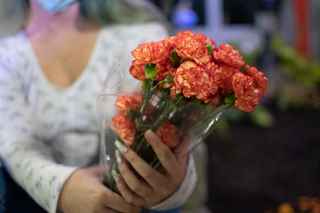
(54, 6)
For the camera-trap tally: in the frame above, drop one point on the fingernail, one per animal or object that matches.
(121, 147)
(149, 133)
(118, 156)
(115, 176)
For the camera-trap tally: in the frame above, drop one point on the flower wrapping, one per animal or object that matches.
(188, 85)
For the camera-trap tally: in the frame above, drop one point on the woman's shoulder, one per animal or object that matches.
(12, 41)
(11, 45)
(141, 25)
(13, 50)
(149, 31)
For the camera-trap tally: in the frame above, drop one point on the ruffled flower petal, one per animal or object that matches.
(190, 47)
(196, 80)
(226, 77)
(169, 134)
(126, 102)
(174, 91)
(216, 99)
(164, 69)
(125, 128)
(260, 80)
(247, 94)
(152, 52)
(229, 56)
(137, 71)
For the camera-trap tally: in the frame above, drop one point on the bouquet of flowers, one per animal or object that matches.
(188, 85)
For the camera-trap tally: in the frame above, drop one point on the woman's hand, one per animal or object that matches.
(152, 187)
(84, 192)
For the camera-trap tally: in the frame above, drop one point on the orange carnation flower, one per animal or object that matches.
(186, 33)
(208, 83)
(196, 80)
(152, 52)
(190, 47)
(124, 127)
(229, 56)
(185, 78)
(247, 94)
(198, 36)
(169, 45)
(169, 134)
(137, 71)
(226, 77)
(205, 40)
(260, 80)
(164, 69)
(126, 102)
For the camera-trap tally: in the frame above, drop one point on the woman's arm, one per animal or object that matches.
(22, 152)
(30, 162)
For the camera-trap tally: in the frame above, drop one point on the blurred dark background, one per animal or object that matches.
(271, 156)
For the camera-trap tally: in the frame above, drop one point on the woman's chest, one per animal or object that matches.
(57, 110)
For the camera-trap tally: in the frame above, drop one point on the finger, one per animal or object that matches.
(183, 149)
(151, 176)
(128, 194)
(165, 155)
(182, 154)
(139, 187)
(118, 203)
(110, 211)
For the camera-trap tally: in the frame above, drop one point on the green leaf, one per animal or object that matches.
(209, 47)
(175, 58)
(169, 79)
(178, 96)
(196, 100)
(150, 71)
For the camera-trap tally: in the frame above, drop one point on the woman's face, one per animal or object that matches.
(54, 6)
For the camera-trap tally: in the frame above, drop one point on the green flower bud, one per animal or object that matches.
(131, 113)
(150, 71)
(230, 99)
(209, 47)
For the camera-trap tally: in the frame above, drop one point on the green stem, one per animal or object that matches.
(155, 86)
(147, 98)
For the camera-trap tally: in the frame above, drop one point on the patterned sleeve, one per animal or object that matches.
(22, 152)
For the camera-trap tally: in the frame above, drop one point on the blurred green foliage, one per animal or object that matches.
(300, 68)
(299, 88)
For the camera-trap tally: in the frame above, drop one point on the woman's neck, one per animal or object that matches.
(40, 21)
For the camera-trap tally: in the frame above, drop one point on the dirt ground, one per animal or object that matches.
(252, 169)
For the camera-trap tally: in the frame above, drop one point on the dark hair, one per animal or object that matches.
(121, 11)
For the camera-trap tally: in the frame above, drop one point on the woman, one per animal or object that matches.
(50, 75)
